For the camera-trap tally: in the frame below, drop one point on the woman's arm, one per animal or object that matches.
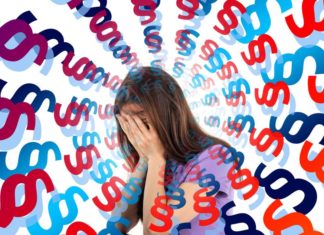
(147, 142)
(153, 189)
(131, 213)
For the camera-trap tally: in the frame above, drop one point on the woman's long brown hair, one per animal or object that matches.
(165, 104)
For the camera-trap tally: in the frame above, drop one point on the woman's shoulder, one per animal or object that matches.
(210, 158)
(210, 161)
(212, 152)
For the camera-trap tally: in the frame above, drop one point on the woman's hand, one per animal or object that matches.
(145, 141)
(123, 121)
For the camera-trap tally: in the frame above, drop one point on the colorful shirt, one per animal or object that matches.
(210, 165)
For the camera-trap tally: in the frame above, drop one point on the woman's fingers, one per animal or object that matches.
(132, 131)
(126, 128)
(122, 123)
(136, 132)
(140, 125)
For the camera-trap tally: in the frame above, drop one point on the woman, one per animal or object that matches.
(170, 155)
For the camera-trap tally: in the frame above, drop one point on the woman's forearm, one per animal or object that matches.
(131, 212)
(153, 189)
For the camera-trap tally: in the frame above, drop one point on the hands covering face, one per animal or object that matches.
(144, 139)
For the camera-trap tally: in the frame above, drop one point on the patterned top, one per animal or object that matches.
(201, 169)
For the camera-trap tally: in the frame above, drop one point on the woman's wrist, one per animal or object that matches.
(157, 159)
